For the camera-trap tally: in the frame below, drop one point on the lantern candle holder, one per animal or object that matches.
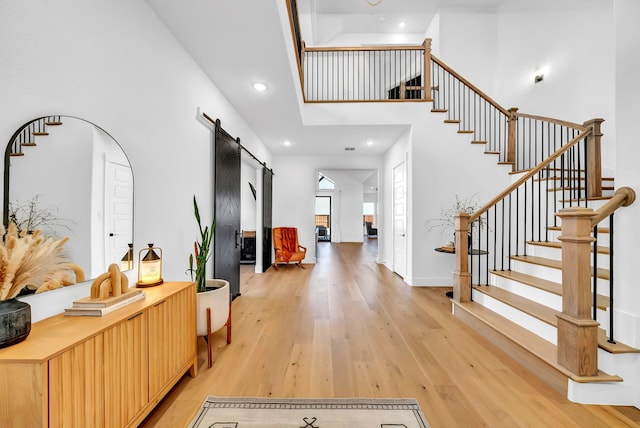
(126, 263)
(150, 267)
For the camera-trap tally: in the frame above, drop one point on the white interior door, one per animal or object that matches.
(400, 219)
(118, 211)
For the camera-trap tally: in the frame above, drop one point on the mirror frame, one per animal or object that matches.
(7, 166)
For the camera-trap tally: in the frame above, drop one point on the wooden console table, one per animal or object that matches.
(107, 371)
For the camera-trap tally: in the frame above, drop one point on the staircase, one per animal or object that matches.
(25, 135)
(516, 299)
(513, 294)
(535, 276)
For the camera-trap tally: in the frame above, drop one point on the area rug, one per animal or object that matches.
(240, 412)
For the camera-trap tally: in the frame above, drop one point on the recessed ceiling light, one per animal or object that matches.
(287, 143)
(260, 87)
(401, 25)
(369, 143)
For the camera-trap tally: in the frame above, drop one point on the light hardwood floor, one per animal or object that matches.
(347, 327)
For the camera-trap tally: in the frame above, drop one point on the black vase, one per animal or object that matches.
(15, 322)
(468, 240)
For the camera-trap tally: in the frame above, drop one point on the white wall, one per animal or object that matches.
(627, 62)
(115, 64)
(574, 41)
(445, 164)
(467, 41)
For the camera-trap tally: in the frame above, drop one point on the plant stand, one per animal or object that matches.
(213, 313)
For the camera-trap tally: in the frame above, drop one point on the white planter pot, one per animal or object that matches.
(218, 301)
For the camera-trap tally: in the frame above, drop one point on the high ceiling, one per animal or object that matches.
(237, 43)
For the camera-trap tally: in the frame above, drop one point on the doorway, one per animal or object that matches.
(400, 219)
(323, 218)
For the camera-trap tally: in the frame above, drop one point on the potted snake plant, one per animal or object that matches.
(210, 293)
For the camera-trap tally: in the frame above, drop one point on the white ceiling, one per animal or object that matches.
(237, 43)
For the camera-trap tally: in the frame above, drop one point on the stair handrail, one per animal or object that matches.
(462, 277)
(568, 124)
(586, 133)
(470, 85)
(623, 197)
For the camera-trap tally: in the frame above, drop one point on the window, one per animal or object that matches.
(325, 183)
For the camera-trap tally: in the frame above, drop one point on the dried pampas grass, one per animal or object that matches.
(33, 261)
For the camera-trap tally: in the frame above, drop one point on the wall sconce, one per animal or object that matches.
(126, 263)
(150, 267)
(538, 78)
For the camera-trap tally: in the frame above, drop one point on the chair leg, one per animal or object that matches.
(299, 264)
(209, 350)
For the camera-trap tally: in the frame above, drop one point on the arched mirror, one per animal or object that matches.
(68, 177)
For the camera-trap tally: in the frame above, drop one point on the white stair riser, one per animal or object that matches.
(552, 274)
(540, 328)
(556, 254)
(551, 300)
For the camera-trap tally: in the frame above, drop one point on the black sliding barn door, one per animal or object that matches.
(226, 239)
(267, 223)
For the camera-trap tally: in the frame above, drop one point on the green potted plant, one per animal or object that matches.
(213, 305)
(201, 251)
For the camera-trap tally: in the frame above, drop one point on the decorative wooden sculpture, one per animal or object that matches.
(110, 284)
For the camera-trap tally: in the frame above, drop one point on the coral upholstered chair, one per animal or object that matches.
(286, 247)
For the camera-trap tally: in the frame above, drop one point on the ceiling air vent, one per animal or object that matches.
(349, 149)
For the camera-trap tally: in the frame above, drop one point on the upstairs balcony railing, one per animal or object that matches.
(348, 74)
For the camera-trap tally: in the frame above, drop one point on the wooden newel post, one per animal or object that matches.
(577, 331)
(427, 70)
(461, 275)
(594, 157)
(512, 135)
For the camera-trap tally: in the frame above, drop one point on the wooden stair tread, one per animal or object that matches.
(28, 144)
(559, 178)
(544, 285)
(529, 307)
(491, 153)
(534, 344)
(39, 133)
(451, 121)
(478, 142)
(506, 163)
(439, 110)
(614, 348)
(533, 281)
(591, 198)
(466, 131)
(567, 188)
(558, 245)
(554, 264)
(17, 154)
(53, 123)
(559, 228)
